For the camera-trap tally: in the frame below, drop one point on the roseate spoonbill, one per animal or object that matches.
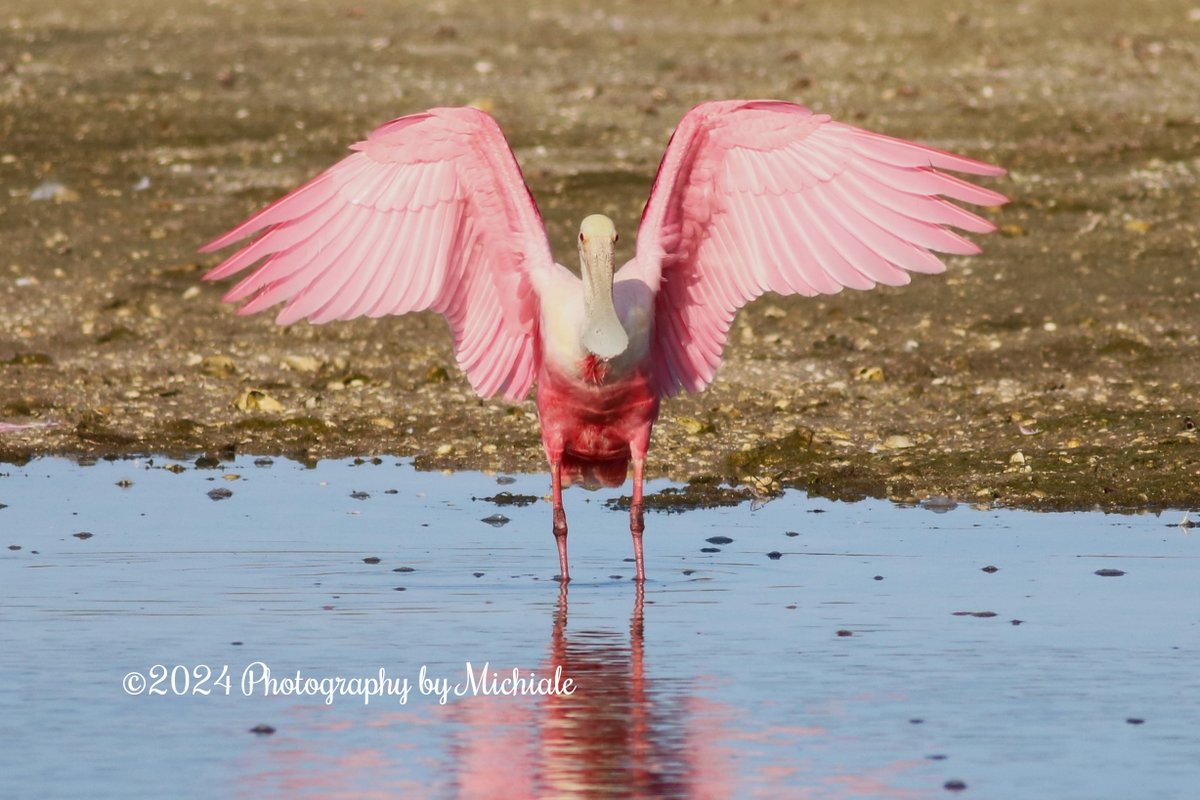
(432, 212)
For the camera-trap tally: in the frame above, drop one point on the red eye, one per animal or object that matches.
(581, 237)
(616, 238)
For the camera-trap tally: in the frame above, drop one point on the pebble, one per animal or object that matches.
(1110, 573)
(496, 520)
(939, 504)
(371, 560)
(719, 540)
(219, 494)
(774, 555)
(262, 730)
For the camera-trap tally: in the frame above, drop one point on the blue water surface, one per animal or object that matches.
(829, 650)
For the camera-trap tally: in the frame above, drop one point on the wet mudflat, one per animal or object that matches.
(1058, 369)
(801, 648)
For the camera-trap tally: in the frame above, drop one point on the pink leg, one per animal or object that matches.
(560, 522)
(636, 523)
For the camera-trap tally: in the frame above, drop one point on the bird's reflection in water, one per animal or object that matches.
(618, 734)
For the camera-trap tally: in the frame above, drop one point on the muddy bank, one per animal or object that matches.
(1059, 369)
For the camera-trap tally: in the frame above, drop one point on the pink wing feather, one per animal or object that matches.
(758, 196)
(431, 212)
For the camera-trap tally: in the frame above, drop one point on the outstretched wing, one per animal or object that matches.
(758, 196)
(431, 212)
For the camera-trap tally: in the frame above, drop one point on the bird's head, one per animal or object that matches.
(597, 233)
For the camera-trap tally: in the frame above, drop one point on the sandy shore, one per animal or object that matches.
(1059, 369)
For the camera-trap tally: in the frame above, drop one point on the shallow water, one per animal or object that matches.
(841, 668)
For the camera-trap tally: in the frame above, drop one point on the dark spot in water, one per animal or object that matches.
(774, 555)
(327, 608)
(916, 721)
(219, 494)
(82, 535)
(844, 632)
(878, 577)
(719, 540)
(207, 462)
(391, 491)
(792, 533)
(510, 499)
(1110, 573)
(371, 560)
(478, 574)
(1135, 721)
(989, 569)
(1016, 621)
(505, 480)
(125, 483)
(816, 511)
(14, 547)
(262, 730)
(614, 577)
(263, 462)
(399, 589)
(628, 560)
(403, 569)
(954, 786)
(236, 644)
(710, 549)
(980, 614)
(496, 520)
(689, 572)
(704, 491)
(360, 495)
(936, 757)
(175, 468)
(791, 607)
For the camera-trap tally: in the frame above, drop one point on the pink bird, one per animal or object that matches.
(432, 212)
